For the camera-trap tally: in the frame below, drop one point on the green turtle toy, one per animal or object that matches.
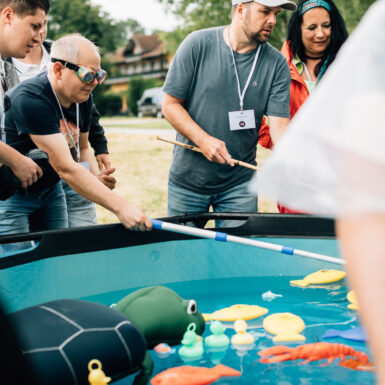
(162, 316)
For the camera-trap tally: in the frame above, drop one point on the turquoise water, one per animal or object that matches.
(321, 307)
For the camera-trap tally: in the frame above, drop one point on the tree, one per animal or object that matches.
(199, 14)
(71, 16)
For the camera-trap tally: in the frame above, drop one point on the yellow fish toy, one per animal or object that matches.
(321, 276)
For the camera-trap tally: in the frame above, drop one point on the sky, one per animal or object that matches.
(151, 14)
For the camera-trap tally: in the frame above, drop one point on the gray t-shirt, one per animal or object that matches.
(202, 74)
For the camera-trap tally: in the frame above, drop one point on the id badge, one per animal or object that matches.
(242, 120)
(86, 165)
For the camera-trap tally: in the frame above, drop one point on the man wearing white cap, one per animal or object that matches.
(221, 83)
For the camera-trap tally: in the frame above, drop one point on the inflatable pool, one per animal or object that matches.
(103, 264)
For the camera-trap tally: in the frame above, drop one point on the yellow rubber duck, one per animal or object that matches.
(286, 326)
(97, 376)
(353, 301)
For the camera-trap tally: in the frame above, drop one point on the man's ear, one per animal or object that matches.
(58, 70)
(7, 15)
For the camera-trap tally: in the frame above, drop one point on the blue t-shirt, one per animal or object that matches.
(32, 108)
(202, 74)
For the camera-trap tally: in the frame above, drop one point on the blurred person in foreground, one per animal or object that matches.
(331, 162)
(51, 113)
(316, 33)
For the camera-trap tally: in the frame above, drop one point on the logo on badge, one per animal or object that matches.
(242, 124)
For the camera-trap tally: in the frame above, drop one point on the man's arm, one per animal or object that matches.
(25, 169)
(104, 175)
(212, 148)
(86, 184)
(277, 127)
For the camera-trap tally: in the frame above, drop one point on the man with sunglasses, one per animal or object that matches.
(52, 112)
(81, 212)
(21, 22)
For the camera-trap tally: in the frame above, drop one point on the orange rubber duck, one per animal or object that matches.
(192, 375)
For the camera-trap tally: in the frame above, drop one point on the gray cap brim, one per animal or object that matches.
(288, 5)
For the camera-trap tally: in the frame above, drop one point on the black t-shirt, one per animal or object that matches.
(31, 108)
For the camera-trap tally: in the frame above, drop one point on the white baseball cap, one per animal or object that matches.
(289, 5)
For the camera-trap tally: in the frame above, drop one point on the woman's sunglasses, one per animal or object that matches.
(86, 74)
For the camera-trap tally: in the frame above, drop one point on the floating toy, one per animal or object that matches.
(97, 376)
(236, 312)
(270, 296)
(321, 276)
(60, 338)
(218, 339)
(192, 344)
(355, 334)
(163, 349)
(191, 375)
(242, 337)
(354, 364)
(353, 300)
(286, 326)
(311, 352)
(161, 314)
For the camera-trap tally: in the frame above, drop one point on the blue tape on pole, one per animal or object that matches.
(156, 224)
(221, 237)
(287, 250)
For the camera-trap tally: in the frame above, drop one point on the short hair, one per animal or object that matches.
(25, 7)
(68, 47)
(338, 36)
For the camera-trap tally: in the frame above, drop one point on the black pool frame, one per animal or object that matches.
(104, 237)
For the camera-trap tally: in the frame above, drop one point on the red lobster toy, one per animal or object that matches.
(312, 352)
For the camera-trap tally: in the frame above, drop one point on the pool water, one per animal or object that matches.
(320, 306)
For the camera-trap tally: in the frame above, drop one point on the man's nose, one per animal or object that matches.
(272, 19)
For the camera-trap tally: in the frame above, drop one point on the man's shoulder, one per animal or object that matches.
(36, 86)
(206, 34)
(273, 53)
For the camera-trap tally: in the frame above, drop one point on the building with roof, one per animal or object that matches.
(142, 56)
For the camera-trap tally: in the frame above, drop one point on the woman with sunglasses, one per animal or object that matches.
(81, 212)
(316, 32)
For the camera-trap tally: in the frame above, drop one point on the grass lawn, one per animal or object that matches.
(142, 165)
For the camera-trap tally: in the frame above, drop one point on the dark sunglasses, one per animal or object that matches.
(86, 74)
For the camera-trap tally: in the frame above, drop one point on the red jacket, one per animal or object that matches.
(298, 94)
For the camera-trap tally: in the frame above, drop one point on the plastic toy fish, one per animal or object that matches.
(163, 349)
(236, 312)
(354, 334)
(311, 352)
(97, 376)
(353, 301)
(286, 326)
(191, 375)
(321, 276)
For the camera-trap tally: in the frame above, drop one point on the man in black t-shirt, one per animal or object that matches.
(53, 112)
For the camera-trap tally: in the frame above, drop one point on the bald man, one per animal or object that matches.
(52, 112)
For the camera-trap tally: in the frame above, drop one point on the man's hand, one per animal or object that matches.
(107, 179)
(133, 218)
(104, 161)
(215, 150)
(26, 170)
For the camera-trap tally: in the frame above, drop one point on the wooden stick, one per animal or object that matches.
(196, 149)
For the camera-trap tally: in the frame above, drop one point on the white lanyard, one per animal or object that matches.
(75, 144)
(242, 94)
(312, 86)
